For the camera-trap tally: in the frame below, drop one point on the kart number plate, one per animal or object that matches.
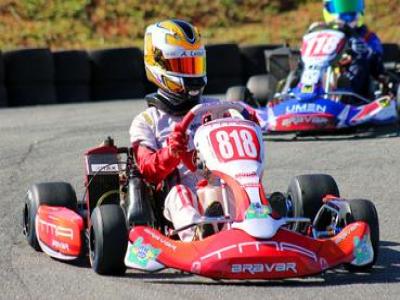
(234, 143)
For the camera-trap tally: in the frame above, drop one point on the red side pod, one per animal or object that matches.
(59, 231)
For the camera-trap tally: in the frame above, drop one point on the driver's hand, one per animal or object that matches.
(177, 142)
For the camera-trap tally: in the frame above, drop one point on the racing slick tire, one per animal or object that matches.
(240, 93)
(262, 87)
(364, 210)
(305, 194)
(47, 193)
(108, 240)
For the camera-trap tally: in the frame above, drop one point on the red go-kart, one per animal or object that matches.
(305, 231)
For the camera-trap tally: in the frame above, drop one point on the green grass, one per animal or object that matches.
(73, 24)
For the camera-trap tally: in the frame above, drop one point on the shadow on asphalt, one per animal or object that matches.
(391, 131)
(387, 270)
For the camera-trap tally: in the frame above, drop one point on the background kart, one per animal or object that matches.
(256, 243)
(317, 103)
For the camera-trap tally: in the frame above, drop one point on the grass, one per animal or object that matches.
(77, 24)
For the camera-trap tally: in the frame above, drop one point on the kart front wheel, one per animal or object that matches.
(305, 194)
(364, 210)
(108, 240)
(47, 193)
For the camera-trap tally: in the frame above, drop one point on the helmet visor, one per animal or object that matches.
(192, 65)
(344, 6)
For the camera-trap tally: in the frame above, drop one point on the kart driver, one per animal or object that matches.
(365, 45)
(175, 60)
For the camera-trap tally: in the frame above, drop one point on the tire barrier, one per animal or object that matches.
(117, 74)
(3, 92)
(391, 52)
(29, 77)
(38, 76)
(253, 59)
(224, 67)
(72, 76)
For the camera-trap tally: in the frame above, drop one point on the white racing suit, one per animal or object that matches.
(151, 129)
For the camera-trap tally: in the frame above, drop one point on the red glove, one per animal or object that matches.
(177, 147)
(177, 142)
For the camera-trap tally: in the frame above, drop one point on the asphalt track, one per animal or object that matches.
(46, 143)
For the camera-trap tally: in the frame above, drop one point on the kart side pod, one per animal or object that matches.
(59, 231)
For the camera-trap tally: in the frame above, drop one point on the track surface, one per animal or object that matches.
(46, 143)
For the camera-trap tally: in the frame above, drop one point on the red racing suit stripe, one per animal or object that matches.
(155, 166)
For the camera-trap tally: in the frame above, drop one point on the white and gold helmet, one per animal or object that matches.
(175, 59)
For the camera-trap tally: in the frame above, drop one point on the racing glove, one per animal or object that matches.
(177, 142)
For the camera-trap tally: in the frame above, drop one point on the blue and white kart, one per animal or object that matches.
(316, 104)
(320, 112)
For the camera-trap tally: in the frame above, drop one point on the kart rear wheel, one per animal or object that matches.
(108, 240)
(364, 210)
(305, 194)
(48, 193)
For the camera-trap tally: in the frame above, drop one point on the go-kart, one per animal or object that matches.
(305, 231)
(318, 102)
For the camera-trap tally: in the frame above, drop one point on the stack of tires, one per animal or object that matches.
(72, 76)
(3, 92)
(29, 77)
(117, 74)
(224, 67)
(253, 59)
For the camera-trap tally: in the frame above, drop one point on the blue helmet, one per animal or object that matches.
(347, 11)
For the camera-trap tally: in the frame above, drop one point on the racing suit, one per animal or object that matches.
(149, 134)
(367, 60)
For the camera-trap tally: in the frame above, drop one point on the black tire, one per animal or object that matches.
(224, 67)
(398, 98)
(72, 66)
(49, 193)
(117, 73)
(72, 76)
(305, 193)
(117, 90)
(364, 210)
(72, 93)
(27, 66)
(35, 94)
(3, 96)
(262, 87)
(253, 59)
(391, 52)
(3, 93)
(29, 77)
(108, 240)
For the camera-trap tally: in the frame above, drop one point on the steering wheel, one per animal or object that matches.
(200, 109)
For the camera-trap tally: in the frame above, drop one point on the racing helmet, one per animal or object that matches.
(175, 60)
(350, 12)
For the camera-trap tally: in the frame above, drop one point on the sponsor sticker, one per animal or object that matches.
(363, 251)
(257, 211)
(141, 254)
(104, 168)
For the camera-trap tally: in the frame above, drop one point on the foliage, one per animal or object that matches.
(109, 23)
